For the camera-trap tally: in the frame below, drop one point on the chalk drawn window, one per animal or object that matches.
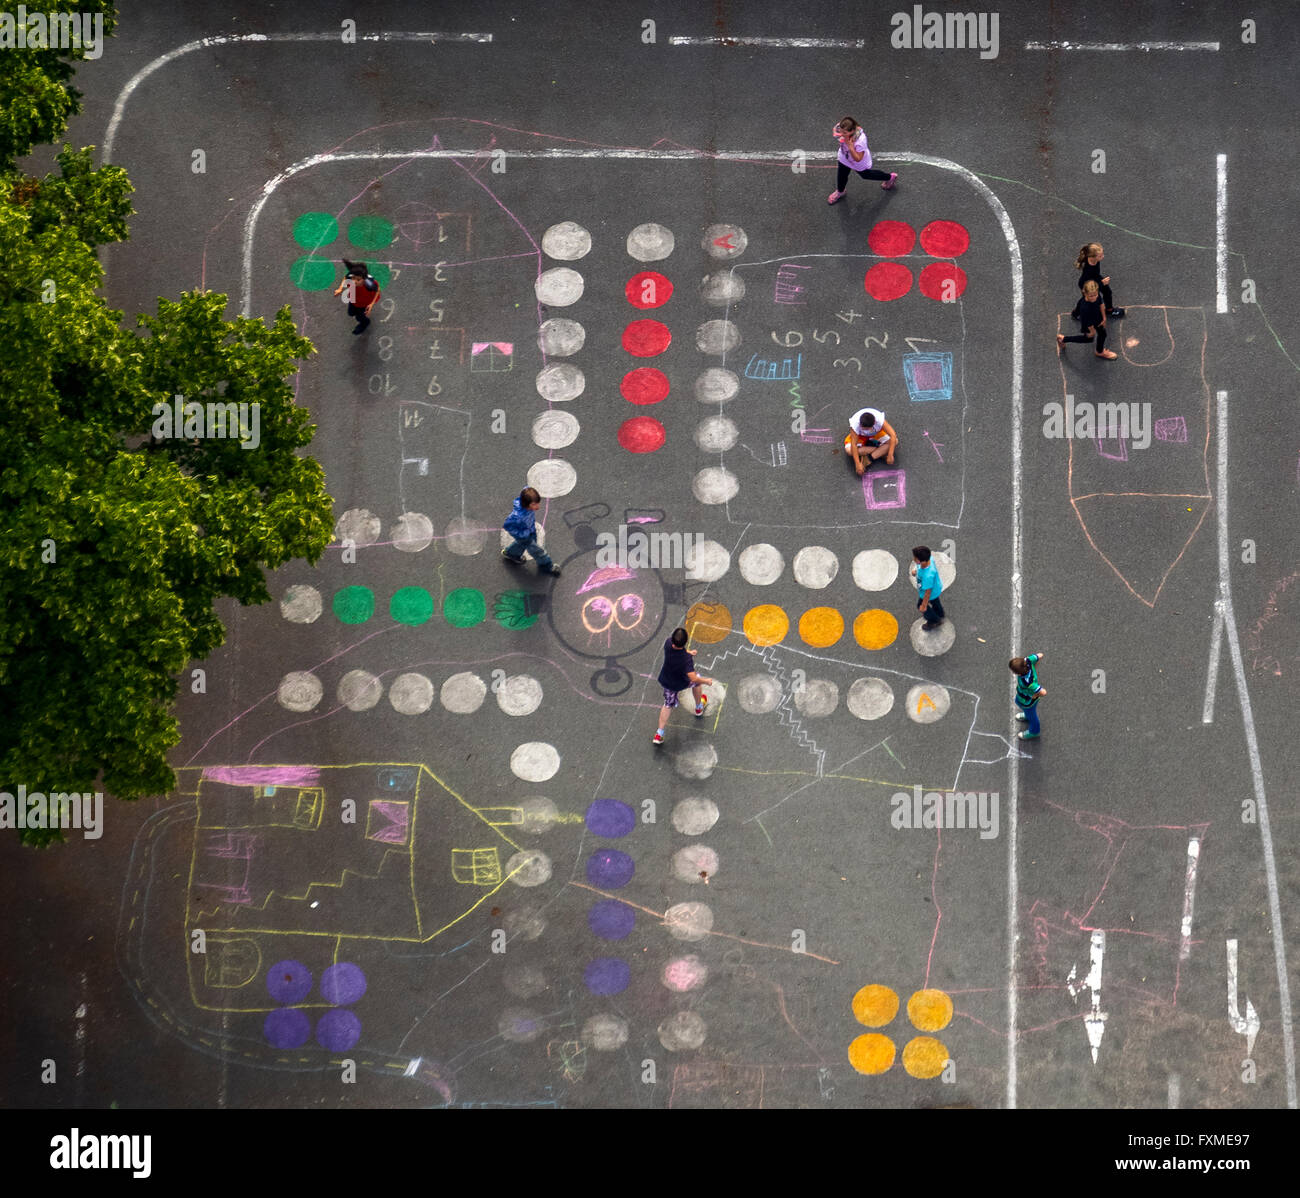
(476, 867)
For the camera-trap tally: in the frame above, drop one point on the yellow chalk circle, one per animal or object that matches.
(708, 623)
(872, 1053)
(875, 1006)
(821, 627)
(929, 1010)
(875, 629)
(766, 624)
(923, 1057)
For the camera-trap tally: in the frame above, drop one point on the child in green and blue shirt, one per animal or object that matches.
(1028, 691)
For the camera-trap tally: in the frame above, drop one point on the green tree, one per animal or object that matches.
(114, 546)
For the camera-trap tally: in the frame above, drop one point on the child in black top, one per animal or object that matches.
(1093, 320)
(1088, 263)
(677, 674)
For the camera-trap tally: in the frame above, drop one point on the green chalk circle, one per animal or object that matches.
(464, 607)
(381, 272)
(354, 605)
(315, 229)
(370, 232)
(312, 274)
(411, 605)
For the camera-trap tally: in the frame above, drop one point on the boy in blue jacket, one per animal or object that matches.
(522, 525)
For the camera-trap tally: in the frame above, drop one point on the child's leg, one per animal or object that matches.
(872, 173)
(515, 551)
(1031, 715)
(1077, 337)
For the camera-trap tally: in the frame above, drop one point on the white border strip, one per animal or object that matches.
(1252, 746)
(780, 43)
(1143, 46)
(229, 39)
(1017, 424)
(1221, 233)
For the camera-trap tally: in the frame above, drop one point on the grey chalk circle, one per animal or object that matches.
(359, 690)
(537, 814)
(463, 694)
(359, 526)
(817, 697)
(524, 981)
(465, 537)
(535, 761)
(815, 567)
(559, 382)
(694, 817)
(717, 337)
(688, 921)
(552, 477)
(875, 569)
(717, 385)
(650, 242)
(411, 694)
(695, 863)
(519, 1025)
(299, 691)
(706, 561)
(721, 288)
(870, 698)
(928, 703)
(761, 564)
(560, 338)
(759, 693)
(566, 241)
(529, 868)
(301, 604)
(716, 434)
(697, 761)
(558, 287)
(604, 1033)
(724, 241)
(714, 484)
(555, 430)
(683, 1031)
(933, 643)
(412, 532)
(524, 923)
(520, 695)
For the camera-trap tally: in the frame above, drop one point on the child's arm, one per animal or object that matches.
(698, 679)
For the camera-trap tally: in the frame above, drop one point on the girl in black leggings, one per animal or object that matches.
(854, 156)
(1093, 319)
(1088, 264)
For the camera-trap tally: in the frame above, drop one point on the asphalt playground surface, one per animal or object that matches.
(534, 905)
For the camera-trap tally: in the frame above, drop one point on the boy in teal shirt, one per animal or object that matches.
(1028, 691)
(928, 588)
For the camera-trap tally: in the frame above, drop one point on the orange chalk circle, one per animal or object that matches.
(875, 1006)
(708, 623)
(875, 629)
(872, 1053)
(923, 1057)
(821, 627)
(766, 624)
(929, 1010)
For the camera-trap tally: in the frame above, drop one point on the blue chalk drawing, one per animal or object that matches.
(768, 371)
(928, 376)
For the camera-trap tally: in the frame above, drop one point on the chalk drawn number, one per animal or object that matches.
(438, 308)
(438, 276)
(787, 343)
(385, 349)
(828, 333)
(435, 387)
(387, 307)
(846, 361)
(379, 384)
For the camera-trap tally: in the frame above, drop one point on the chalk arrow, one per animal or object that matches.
(1094, 1023)
(725, 241)
(1248, 1026)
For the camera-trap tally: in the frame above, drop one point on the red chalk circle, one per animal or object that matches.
(934, 276)
(944, 239)
(888, 280)
(641, 434)
(646, 338)
(648, 289)
(644, 385)
(891, 238)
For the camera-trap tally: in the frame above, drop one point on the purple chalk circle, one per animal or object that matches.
(287, 1027)
(288, 981)
(338, 1030)
(611, 920)
(610, 869)
(609, 817)
(343, 984)
(607, 975)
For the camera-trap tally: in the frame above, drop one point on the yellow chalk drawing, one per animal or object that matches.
(924, 700)
(875, 1006)
(924, 1057)
(476, 867)
(929, 1010)
(872, 1053)
(708, 623)
(765, 625)
(821, 627)
(875, 629)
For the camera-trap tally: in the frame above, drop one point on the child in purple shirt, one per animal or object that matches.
(854, 156)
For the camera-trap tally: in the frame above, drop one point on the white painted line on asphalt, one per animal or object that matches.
(779, 43)
(1189, 898)
(1220, 234)
(204, 43)
(1212, 674)
(1143, 46)
(1256, 768)
(1175, 1087)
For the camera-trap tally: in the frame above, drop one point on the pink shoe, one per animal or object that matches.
(659, 736)
(888, 184)
(835, 197)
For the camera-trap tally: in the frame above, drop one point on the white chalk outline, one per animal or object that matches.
(1221, 233)
(780, 43)
(1146, 47)
(1252, 746)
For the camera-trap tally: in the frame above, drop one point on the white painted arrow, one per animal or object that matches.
(1094, 1023)
(1248, 1026)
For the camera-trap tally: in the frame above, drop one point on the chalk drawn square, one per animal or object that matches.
(1121, 448)
(1171, 428)
(882, 489)
(928, 376)
(491, 357)
(388, 821)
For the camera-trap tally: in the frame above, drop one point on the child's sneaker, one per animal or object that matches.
(1020, 715)
(835, 197)
(1029, 735)
(514, 561)
(659, 736)
(1117, 313)
(701, 705)
(888, 184)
